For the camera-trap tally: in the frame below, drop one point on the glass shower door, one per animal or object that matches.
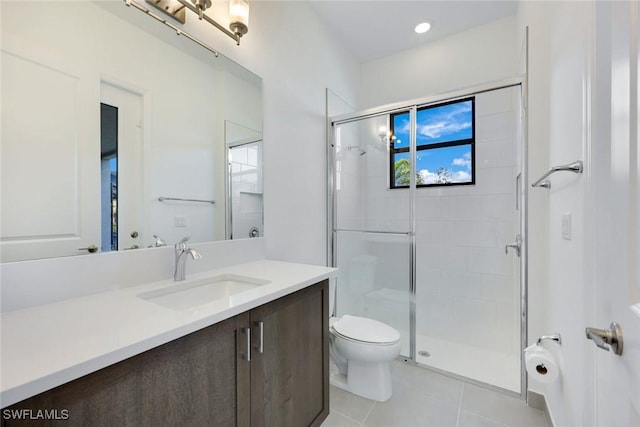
(467, 288)
(425, 199)
(372, 239)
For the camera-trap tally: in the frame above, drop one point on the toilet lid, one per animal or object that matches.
(368, 330)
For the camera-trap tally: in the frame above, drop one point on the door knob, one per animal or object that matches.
(515, 245)
(607, 338)
(91, 249)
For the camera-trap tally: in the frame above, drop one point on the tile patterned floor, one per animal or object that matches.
(422, 398)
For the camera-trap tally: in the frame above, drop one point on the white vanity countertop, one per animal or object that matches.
(46, 346)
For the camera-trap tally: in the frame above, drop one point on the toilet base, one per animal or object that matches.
(339, 380)
(368, 380)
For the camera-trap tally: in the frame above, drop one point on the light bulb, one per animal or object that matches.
(422, 27)
(239, 16)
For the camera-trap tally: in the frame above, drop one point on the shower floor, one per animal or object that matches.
(497, 369)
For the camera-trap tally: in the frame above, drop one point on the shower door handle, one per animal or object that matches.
(517, 245)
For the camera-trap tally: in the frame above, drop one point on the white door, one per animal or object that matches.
(616, 236)
(129, 165)
(50, 148)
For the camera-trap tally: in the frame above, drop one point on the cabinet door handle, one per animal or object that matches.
(260, 346)
(247, 356)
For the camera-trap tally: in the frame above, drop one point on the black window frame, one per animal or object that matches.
(454, 143)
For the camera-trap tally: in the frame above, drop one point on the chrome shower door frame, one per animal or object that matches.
(521, 194)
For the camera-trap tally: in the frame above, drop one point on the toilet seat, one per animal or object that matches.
(363, 330)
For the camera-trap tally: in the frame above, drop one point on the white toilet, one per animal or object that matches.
(363, 349)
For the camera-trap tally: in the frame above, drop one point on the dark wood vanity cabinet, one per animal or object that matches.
(290, 378)
(205, 378)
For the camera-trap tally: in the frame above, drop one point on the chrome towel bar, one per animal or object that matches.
(162, 199)
(575, 167)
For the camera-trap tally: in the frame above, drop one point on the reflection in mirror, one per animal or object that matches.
(245, 194)
(109, 177)
(77, 179)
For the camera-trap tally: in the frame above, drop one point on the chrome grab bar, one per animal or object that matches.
(575, 167)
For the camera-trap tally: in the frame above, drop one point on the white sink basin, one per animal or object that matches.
(184, 295)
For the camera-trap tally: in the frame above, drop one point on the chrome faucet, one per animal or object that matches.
(182, 251)
(159, 242)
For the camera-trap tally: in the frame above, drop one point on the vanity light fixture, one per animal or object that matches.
(239, 17)
(422, 27)
(238, 14)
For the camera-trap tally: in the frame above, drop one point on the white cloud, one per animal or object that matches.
(429, 177)
(436, 130)
(446, 120)
(465, 160)
(461, 176)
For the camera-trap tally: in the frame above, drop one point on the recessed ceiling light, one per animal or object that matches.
(423, 27)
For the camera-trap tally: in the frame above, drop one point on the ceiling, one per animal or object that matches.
(373, 29)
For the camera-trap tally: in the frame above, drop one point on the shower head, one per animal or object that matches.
(362, 152)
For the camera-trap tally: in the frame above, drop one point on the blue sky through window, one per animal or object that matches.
(455, 160)
(450, 122)
(440, 124)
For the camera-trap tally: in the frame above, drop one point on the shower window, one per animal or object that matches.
(445, 145)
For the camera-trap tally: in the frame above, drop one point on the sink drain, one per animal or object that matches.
(424, 353)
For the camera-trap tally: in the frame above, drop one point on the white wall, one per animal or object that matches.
(478, 55)
(559, 108)
(297, 57)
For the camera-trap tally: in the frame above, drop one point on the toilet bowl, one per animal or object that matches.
(362, 349)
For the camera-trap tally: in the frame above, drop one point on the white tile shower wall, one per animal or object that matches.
(466, 286)
(348, 163)
(247, 187)
(352, 274)
(384, 210)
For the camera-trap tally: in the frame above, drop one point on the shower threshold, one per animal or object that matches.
(493, 368)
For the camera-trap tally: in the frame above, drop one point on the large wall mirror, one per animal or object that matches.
(117, 134)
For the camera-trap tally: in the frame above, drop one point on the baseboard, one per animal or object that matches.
(538, 401)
